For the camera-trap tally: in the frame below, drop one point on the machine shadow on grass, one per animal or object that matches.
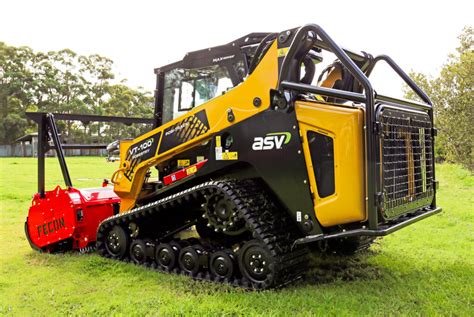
(330, 268)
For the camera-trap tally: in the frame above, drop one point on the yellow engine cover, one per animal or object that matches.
(345, 125)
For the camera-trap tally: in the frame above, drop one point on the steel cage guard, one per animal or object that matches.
(312, 31)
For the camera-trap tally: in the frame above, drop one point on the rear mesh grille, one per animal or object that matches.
(406, 161)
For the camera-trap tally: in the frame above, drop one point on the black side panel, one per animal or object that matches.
(270, 143)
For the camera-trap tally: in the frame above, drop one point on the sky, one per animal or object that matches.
(141, 35)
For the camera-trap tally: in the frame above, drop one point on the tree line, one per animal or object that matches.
(63, 81)
(66, 82)
(452, 95)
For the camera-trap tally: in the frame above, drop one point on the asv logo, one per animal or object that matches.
(271, 141)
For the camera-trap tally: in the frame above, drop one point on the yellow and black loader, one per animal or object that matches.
(253, 158)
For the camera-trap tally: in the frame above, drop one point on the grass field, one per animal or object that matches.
(425, 269)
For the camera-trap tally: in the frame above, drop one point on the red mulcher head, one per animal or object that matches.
(67, 219)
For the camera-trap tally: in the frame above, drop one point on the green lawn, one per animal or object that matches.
(426, 269)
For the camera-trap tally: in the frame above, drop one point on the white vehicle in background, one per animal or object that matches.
(113, 151)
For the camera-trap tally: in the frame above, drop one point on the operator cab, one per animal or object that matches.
(203, 75)
(209, 73)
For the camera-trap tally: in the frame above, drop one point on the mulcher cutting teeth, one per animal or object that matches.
(263, 259)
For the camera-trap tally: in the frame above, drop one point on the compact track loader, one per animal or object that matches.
(257, 157)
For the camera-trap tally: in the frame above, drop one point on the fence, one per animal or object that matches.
(27, 150)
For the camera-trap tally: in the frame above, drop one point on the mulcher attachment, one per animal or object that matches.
(261, 257)
(67, 219)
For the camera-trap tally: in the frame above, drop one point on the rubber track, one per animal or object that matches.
(267, 223)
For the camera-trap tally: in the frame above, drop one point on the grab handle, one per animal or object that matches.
(125, 166)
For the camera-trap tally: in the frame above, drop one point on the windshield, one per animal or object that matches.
(188, 88)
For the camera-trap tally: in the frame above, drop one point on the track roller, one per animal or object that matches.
(222, 264)
(138, 252)
(166, 255)
(191, 259)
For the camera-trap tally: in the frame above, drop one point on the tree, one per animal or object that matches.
(15, 90)
(126, 102)
(452, 96)
(65, 82)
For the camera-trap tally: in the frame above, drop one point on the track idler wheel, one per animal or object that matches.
(191, 259)
(166, 255)
(256, 264)
(116, 242)
(222, 264)
(138, 253)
